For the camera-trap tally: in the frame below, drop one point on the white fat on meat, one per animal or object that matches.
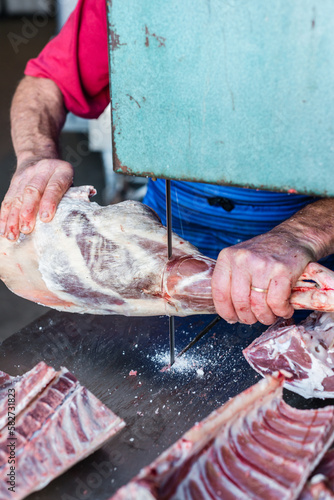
(107, 260)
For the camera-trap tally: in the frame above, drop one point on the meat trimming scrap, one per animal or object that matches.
(255, 447)
(58, 422)
(305, 351)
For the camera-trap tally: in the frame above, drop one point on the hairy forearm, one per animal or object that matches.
(37, 116)
(313, 226)
(41, 179)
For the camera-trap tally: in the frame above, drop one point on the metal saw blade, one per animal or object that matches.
(169, 254)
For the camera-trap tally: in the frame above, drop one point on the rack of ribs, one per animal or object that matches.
(58, 422)
(255, 447)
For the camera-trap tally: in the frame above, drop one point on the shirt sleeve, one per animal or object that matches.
(77, 60)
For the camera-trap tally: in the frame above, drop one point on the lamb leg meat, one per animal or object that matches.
(107, 260)
(113, 260)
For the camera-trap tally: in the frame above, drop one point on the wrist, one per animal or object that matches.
(309, 233)
(29, 157)
(301, 238)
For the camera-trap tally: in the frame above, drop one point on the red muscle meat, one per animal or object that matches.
(107, 260)
(58, 422)
(255, 447)
(305, 351)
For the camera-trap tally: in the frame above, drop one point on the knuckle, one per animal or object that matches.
(258, 299)
(32, 190)
(60, 167)
(279, 269)
(218, 294)
(16, 202)
(260, 265)
(67, 181)
(27, 212)
(222, 260)
(273, 302)
(43, 163)
(67, 168)
(242, 303)
(225, 252)
(258, 309)
(56, 186)
(276, 301)
(5, 205)
(12, 220)
(233, 253)
(242, 256)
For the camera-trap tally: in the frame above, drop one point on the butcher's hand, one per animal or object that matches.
(36, 187)
(252, 281)
(41, 178)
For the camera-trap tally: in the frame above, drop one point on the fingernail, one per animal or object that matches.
(25, 229)
(45, 215)
(10, 236)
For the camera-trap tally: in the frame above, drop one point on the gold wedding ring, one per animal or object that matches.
(261, 290)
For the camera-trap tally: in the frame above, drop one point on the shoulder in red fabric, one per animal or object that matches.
(77, 60)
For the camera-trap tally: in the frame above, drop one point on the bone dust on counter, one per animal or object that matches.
(107, 260)
(58, 422)
(305, 351)
(255, 447)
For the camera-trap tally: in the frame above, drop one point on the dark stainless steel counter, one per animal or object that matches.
(157, 407)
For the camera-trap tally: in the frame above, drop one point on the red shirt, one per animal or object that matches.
(77, 60)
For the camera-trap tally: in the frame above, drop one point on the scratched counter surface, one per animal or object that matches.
(158, 407)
